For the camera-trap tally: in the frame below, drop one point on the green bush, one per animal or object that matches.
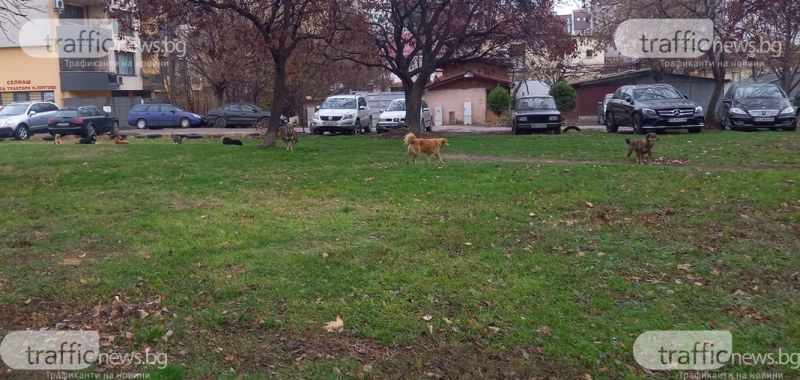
(564, 95)
(499, 100)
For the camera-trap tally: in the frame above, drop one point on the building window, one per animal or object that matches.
(126, 64)
(589, 53)
(73, 12)
(124, 26)
(49, 97)
(21, 97)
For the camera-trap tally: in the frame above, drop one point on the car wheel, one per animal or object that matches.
(90, 131)
(369, 126)
(264, 121)
(185, 123)
(357, 129)
(695, 130)
(141, 124)
(430, 126)
(221, 122)
(637, 124)
(115, 129)
(22, 133)
(790, 129)
(610, 126)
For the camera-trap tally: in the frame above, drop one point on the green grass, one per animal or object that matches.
(252, 251)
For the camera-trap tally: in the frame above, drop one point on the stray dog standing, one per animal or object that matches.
(642, 147)
(428, 146)
(230, 141)
(57, 139)
(289, 136)
(177, 139)
(119, 140)
(88, 140)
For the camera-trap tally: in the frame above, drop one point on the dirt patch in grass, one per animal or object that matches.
(400, 133)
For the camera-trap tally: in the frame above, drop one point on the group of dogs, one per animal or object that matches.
(415, 145)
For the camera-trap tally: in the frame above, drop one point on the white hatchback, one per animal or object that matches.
(349, 114)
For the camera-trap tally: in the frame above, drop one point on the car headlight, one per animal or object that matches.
(649, 112)
(316, 117)
(349, 116)
(554, 118)
(738, 111)
(788, 110)
(698, 110)
(522, 119)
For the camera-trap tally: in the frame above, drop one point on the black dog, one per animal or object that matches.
(88, 140)
(230, 141)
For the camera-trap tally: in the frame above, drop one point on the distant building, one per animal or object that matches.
(579, 22)
(461, 94)
(36, 69)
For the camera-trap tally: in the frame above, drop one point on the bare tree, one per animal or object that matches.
(14, 12)
(413, 38)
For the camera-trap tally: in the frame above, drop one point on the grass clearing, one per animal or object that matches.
(526, 256)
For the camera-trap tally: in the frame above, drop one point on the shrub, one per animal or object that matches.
(499, 100)
(564, 95)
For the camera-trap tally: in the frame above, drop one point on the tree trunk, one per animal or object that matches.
(219, 95)
(718, 69)
(414, 91)
(270, 139)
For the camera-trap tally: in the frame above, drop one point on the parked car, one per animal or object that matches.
(23, 119)
(83, 121)
(753, 106)
(601, 109)
(144, 116)
(653, 107)
(394, 116)
(238, 114)
(348, 114)
(535, 113)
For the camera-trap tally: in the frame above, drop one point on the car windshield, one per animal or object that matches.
(656, 93)
(769, 92)
(13, 109)
(339, 103)
(536, 104)
(66, 113)
(397, 105)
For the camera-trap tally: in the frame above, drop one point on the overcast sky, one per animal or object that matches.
(566, 6)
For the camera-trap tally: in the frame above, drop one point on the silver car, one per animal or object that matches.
(22, 119)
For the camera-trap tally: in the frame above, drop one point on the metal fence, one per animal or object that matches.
(377, 101)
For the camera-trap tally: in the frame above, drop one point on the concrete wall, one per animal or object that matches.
(452, 100)
(16, 66)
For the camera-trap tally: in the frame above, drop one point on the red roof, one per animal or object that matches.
(467, 75)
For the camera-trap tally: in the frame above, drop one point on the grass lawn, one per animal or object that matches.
(522, 256)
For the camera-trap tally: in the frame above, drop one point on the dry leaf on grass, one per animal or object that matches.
(335, 326)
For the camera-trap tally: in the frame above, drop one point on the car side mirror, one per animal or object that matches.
(31, 113)
(726, 101)
(362, 108)
(316, 108)
(108, 114)
(426, 109)
(173, 111)
(629, 99)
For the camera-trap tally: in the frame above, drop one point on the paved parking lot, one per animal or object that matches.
(246, 131)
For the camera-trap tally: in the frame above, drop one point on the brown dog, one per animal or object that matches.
(428, 146)
(57, 139)
(289, 136)
(120, 141)
(642, 147)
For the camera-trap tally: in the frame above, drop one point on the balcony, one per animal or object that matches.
(88, 81)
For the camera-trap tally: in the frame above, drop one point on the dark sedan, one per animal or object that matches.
(536, 113)
(83, 121)
(754, 106)
(653, 107)
(238, 114)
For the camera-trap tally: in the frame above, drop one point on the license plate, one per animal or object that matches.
(63, 124)
(678, 120)
(764, 119)
(329, 123)
(539, 125)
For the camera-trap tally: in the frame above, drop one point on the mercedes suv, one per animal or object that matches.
(653, 107)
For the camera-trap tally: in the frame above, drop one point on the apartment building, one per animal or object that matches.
(67, 54)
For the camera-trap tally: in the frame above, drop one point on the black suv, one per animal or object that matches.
(653, 107)
(535, 113)
(752, 106)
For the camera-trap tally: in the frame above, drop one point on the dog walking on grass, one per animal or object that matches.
(642, 147)
(430, 147)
